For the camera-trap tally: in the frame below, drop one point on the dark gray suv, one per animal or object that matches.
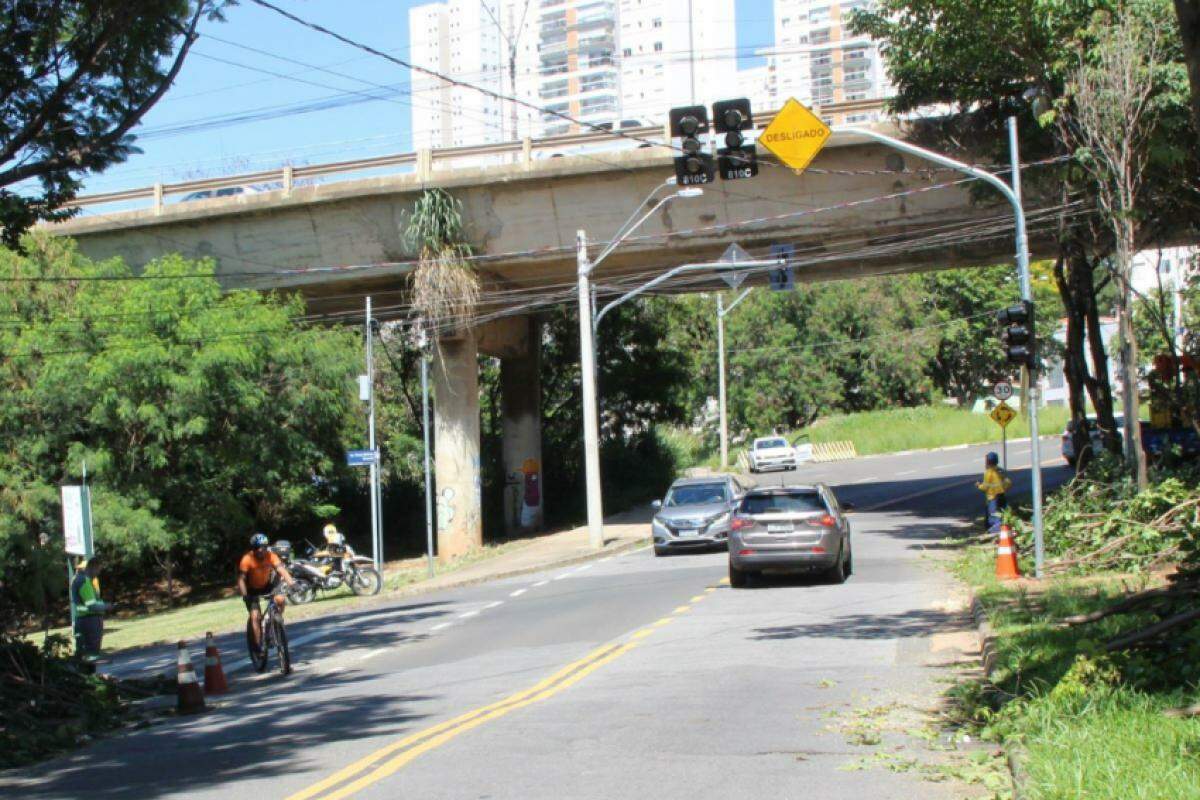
(789, 529)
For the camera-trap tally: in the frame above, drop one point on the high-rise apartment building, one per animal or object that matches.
(456, 38)
(603, 62)
(819, 61)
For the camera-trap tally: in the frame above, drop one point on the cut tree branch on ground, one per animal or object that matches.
(1152, 631)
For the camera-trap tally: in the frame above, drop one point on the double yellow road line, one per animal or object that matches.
(387, 760)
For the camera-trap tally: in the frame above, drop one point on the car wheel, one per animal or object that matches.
(837, 573)
(660, 551)
(850, 562)
(738, 578)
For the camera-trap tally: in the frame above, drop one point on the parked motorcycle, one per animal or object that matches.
(321, 570)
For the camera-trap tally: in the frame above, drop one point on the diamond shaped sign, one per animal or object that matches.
(795, 136)
(733, 255)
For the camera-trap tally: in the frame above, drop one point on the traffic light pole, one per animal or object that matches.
(1013, 195)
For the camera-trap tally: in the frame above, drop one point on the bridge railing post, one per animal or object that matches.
(289, 175)
(158, 198)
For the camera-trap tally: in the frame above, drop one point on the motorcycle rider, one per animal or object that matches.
(335, 548)
(259, 571)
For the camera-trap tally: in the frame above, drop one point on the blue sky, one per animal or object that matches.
(223, 76)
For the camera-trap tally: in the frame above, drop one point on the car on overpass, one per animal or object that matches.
(789, 529)
(695, 513)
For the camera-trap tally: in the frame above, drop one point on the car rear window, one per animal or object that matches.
(769, 444)
(783, 503)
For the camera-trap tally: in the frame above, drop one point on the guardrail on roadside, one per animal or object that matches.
(833, 451)
(425, 162)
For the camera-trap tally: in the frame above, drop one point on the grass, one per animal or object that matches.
(886, 431)
(925, 427)
(229, 613)
(1089, 725)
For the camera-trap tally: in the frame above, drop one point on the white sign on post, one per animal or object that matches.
(733, 255)
(1002, 390)
(77, 520)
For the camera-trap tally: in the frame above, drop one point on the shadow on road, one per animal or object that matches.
(916, 622)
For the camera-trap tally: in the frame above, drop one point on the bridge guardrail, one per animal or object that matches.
(425, 162)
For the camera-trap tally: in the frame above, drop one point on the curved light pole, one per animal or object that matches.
(1013, 195)
(587, 349)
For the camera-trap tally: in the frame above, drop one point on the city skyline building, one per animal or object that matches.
(573, 64)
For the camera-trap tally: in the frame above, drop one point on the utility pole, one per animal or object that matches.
(692, 53)
(423, 345)
(376, 532)
(587, 377)
(721, 401)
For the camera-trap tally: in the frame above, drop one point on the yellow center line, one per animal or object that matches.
(697, 598)
(369, 760)
(724, 581)
(390, 767)
(710, 589)
(660, 622)
(643, 633)
(681, 609)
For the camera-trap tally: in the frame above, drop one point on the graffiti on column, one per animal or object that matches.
(531, 496)
(445, 508)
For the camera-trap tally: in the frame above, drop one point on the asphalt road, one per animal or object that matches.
(632, 676)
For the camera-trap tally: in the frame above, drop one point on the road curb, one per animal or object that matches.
(419, 588)
(1014, 753)
(951, 447)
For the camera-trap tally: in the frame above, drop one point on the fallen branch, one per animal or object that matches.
(1152, 631)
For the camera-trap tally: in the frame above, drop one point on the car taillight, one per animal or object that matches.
(826, 521)
(738, 523)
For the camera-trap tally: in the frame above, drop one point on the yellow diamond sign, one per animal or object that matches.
(795, 136)
(1002, 414)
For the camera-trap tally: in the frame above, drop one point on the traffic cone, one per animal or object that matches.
(190, 697)
(1006, 556)
(214, 675)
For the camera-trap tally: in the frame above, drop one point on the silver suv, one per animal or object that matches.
(789, 529)
(695, 513)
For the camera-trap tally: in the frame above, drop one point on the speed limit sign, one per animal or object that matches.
(1002, 390)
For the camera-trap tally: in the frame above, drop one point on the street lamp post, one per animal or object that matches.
(1013, 195)
(587, 350)
(721, 402)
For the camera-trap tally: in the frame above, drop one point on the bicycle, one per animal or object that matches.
(273, 636)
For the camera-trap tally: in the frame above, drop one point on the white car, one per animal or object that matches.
(773, 452)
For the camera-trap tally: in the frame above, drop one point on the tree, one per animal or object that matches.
(1188, 13)
(1109, 114)
(76, 77)
(991, 59)
(201, 415)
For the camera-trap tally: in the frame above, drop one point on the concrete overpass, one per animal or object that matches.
(859, 210)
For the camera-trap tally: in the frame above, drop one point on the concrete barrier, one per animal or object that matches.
(833, 451)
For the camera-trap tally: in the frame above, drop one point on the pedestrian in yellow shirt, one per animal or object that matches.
(995, 486)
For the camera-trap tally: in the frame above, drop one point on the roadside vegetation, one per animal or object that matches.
(1095, 681)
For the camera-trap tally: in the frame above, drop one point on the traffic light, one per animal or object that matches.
(736, 159)
(1017, 335)
(694, 166)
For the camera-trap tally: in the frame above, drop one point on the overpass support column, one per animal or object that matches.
(456, 446)
(521, 406)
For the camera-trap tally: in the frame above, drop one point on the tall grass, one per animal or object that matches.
(895, 429)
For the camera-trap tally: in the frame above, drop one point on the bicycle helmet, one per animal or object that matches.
(992, 459)
(259, 540)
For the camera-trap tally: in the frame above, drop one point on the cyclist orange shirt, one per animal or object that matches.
(258, 570)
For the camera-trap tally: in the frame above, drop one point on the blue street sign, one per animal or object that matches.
(783, 279)
(362, 458)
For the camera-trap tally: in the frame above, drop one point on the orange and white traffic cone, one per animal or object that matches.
(189, 695)
(214, 675)
(1006, 556)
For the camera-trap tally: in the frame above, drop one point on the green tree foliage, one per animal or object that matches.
(201, 415)
(76, 76)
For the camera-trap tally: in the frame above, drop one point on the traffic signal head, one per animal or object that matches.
(694, 165)
(1017, 335)
(736, 159)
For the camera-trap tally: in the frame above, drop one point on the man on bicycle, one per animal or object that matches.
(259, 572)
